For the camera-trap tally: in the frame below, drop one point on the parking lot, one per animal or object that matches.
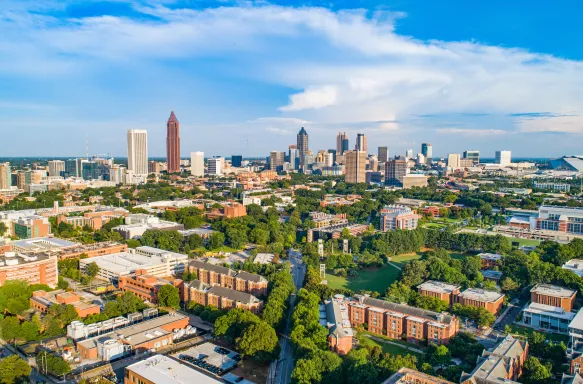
(210, 357)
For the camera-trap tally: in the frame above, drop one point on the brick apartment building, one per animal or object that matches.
(398, 321)
(554, 296)
(490, 260)
(476, 297)
(42, 301)
(225, 277)
(443, 291)
(146, 286)
(220, 297)
(32, 269)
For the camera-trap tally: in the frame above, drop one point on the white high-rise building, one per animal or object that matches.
(215, 165)
(138, 151)
(197, 164)
(504, 158)
(56, 167)
(409, 154)
(453, 160)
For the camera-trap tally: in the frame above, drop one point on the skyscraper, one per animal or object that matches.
(361, 144)
(427, 151)
(504, 158)
(409, 154)
(215, 165)
(173, 144)
(276, 160)
(56, 167)
(197, 164)
(355, 163)
(5, 176)
(294, 157)
(138, 151)
(303, 146)
(472, 155)
(383, 154)
(341, 142)
(236, 161)
(453, 160)
(395, 172)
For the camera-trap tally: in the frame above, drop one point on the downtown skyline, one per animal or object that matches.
(387, 73)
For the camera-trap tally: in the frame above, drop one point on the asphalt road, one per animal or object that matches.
(285, 364)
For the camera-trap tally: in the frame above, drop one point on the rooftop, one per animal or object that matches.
(481, 295)
(549, 310)
(211, 267)
(125, 263)
(160, 369)
(490, 256)
(553, 290)
(491, 274)
(577, 322)
(407, 375)
(43, 243)
(405, 309)
(231, 294)
(438, 286)
(251, 277)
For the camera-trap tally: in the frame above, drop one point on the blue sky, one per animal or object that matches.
(244, 76)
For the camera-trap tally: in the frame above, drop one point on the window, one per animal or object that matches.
(157, 344)
(394, 325)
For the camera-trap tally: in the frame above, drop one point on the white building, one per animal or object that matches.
(56, 167)
(504, 158)
(159, 369)
(197, 164)
(453, 160)
(156, 262)
(216, 165)
(138, 151)
(546, 318)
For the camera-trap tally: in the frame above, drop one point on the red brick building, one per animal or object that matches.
(401, 321)
(35, 269)
(410, 376)
(443, 291)
(490, 260)
(476, 297)
(146, 286)
(220, 297)
(42, 301)
(225, 277)
(553, 295)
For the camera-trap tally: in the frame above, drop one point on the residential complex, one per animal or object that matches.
(220, 297)
(490, 260)
(334, 315)
(442, 291)
(476, 297)
(394, 217)
(225, 277)
(395, 320)
(35, 269)
(146, 286)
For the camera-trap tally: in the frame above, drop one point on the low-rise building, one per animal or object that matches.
(396, 320)
(442, 291)
(136, 224)
(220, 297)
(42, 301)
(575, 266)
(148, 335)
(546, 318)
(146, 286)
(394, 217)
(501, 364)
(225, 277)
(411, 376)
(322, 219)
(32, 269)
(562, 219)
(554, 296)
(160, 369)
(31, 226)
(476, 297)
(337, 320)
(492, 275)
(490, 260)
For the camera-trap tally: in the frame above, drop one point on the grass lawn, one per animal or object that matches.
(223, 249)
(370, 279)
(406, 258)
(389, 348)
(525, 331)
(527, 242)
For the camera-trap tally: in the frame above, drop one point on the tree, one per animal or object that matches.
(29, 331)
(536, 373)
(195, 241)
(92, 269)
(438, 355)
(10, 328)
(216, 240)
(54, 365)
(259, 341)
(3, 229)
(14, 370)
(259, 236)
(169, 296)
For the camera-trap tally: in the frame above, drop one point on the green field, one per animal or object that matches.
(402, 260)
(525, 331)
(389, 348)
(527, 242)
(371, 279)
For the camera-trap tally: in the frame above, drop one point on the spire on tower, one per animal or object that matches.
(172, 118)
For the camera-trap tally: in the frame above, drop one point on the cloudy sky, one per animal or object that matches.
(244, 76)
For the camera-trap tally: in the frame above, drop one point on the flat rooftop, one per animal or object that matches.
(481, 295)
(549, 310)
(438, 286)
(160, 369)
(490, 256)
(43, 243)
(553, 290)
(577, 322)
(125, 263)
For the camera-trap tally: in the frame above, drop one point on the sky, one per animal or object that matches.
(244, 76)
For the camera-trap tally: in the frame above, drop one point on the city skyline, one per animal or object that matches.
(402, 75)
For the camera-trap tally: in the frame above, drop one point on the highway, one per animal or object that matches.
(285, 363)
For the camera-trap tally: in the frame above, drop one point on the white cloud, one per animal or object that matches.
(566, 124)
(471, 132)
(312, 98)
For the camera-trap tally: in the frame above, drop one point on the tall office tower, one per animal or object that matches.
(355, 164)
(333, 153)
(197, 164)
(236, 161)
(361, 144)
(215, 165)
(453, 160)
(427, 151)
(420, 158)
(472, 155)
(409, 154)
(138, 151)
(276, 160)
(56, 167)
(373, 163)
(341, 142)
(303, 146)
(294, 157)
(71, 168)
(173, 144)
(395, 172)
(5, 176)
(383, 154)
(504, 158)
